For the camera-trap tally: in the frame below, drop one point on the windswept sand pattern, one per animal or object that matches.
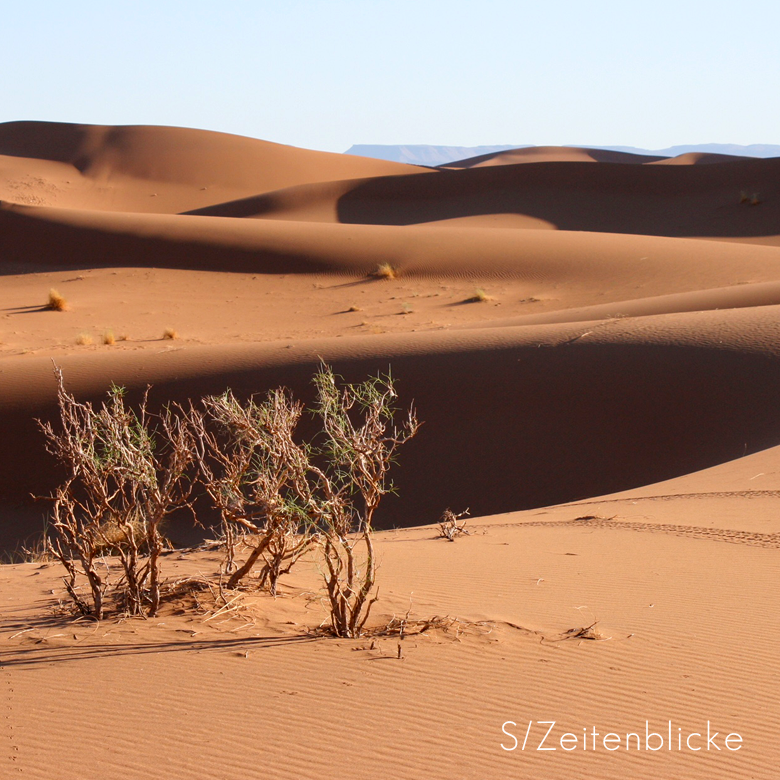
(437, 712)
(592, 342)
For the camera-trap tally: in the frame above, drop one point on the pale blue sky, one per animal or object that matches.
(325, 74)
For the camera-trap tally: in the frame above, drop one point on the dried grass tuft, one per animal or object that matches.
(480, 296)
(56, 302)
(385, 271)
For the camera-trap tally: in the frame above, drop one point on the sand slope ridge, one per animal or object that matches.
(156, 169)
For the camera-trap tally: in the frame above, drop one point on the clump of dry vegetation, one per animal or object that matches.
(170, 333)
(480, 296)
(243, 466)
(451, 526)
(279, 496)
(126, 473)
(360, 443)
(108, 338)
(385, 271)
(83, 339)
(56, 302)
(282, 496)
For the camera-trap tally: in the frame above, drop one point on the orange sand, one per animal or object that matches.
(626, 367)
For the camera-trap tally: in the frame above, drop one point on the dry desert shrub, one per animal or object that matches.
(385, 271)
(56, 301)
(480, 296)
(451, 526)
(278, 496)
(127, 471)
(83, 339)
(288, 494)
(108, 338)
(243, 467)
(360, 442)
(170, 333)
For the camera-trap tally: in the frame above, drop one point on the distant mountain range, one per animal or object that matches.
(423, 154)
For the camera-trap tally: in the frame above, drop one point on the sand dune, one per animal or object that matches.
(595, 352)
(698, 158)
(156, 169)
(578, 154)
(552, 154)
(48, 239)
(671, 200)
(613, 405)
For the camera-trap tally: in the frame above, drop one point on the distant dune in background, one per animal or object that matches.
(426, 154)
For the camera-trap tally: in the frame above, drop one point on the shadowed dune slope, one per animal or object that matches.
(514, 418)
(671, 200)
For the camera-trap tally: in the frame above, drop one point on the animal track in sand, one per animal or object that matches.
(752, 538)
(12, 754)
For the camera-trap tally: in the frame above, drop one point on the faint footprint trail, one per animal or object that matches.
(11, 747)
(751, 538)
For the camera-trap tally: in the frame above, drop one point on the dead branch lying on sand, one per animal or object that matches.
(583, 632)
(403, 627)
(589, 633)
(451, 526)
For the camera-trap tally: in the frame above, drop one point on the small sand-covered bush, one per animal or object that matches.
(56, 302)
(385, 271)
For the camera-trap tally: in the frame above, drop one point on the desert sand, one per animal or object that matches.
(592, 340)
